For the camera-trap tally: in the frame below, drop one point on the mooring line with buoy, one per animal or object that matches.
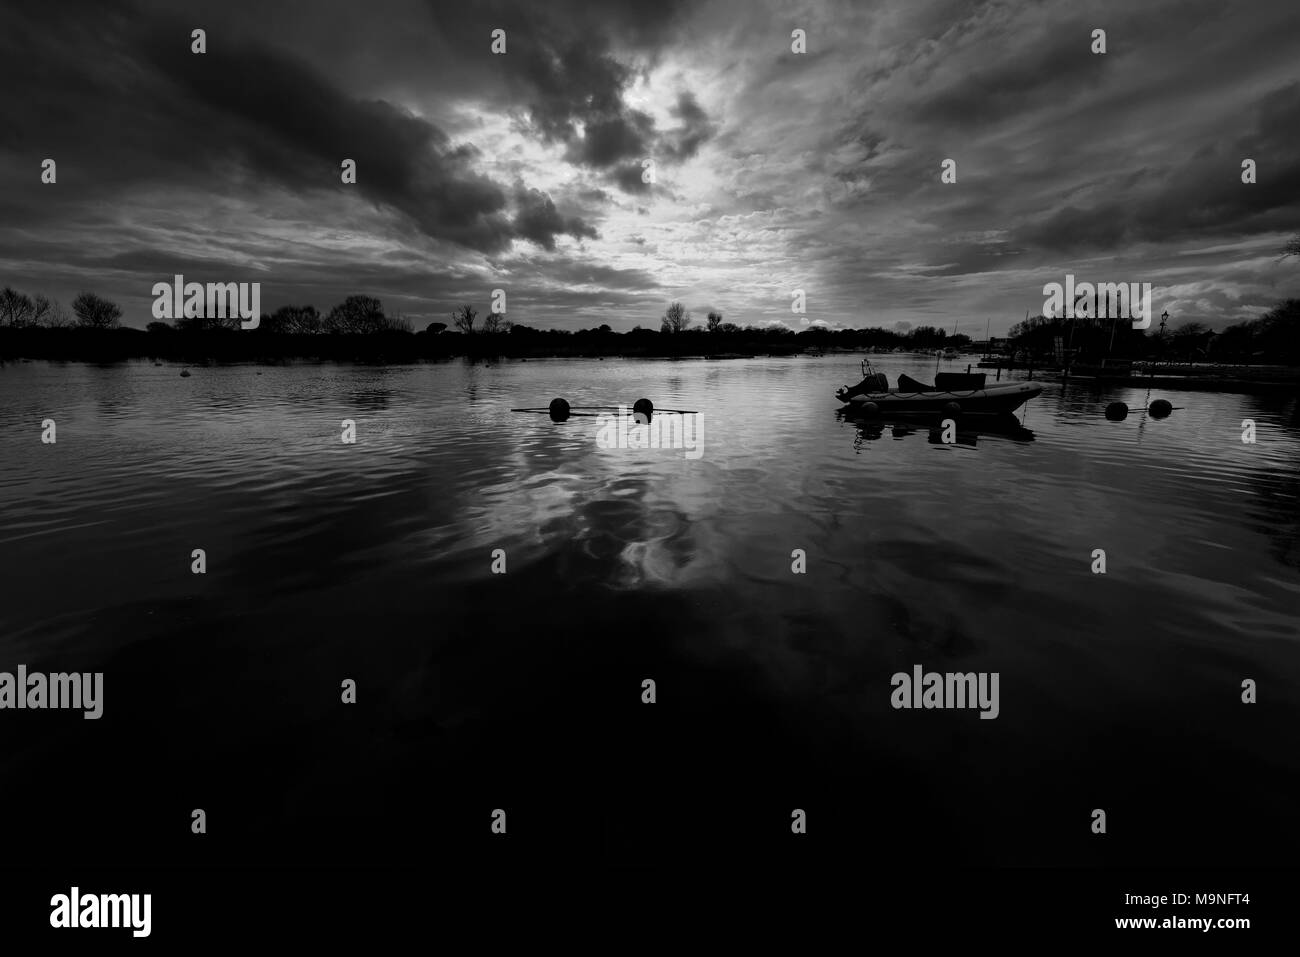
(559, 409)
(1159, 409)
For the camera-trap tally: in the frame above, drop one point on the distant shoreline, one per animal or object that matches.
(94, 345)
(260, 347)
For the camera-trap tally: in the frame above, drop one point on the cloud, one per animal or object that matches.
(562, 65)
(775, 171)
(573, 85)
(579, 101)
(539, 221)
(684, 142)
(630, 177)
(608, 141)
(157, 114)
(1201, 197)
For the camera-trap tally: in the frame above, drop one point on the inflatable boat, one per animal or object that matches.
(967, 391)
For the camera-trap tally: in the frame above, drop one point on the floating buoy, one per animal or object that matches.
(1117, 411)
(560, 410)
(870, 408)
(185, 373)
(952, 409)
(1160, 408)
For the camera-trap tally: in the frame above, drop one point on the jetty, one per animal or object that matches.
(1196, 377)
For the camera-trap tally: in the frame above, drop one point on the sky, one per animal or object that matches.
(774, 170)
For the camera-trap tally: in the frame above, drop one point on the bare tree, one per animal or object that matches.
(15, 308)
(306, 320)
(676, 318)
(1190, 330)
(293, 320)
(95, 312)
(715, 320)
(57, 317)
(463, 318)
(40, 310)
(205, 323)
(357, 314)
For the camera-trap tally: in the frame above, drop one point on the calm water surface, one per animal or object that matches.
(373, 562)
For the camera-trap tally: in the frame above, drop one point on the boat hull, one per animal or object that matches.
(1005, 397)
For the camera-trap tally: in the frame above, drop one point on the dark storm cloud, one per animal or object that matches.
(1045, 65)
(540, 221)
(561, 64)
(577, 98)
(1202, 197)
(630, 177)
(822, 166)
(286, 122)
(121, 99)
(571, 84)
(1124, 158)
(608, 141)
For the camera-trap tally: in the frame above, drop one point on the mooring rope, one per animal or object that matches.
(608, 407)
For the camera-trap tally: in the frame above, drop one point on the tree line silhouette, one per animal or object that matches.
(1271, 337)
(359, 328)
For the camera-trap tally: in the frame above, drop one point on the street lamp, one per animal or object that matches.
(1164, 317)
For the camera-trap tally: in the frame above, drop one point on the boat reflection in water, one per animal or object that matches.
(965, 431)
